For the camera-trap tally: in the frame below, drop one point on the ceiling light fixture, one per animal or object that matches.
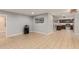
(32, 12)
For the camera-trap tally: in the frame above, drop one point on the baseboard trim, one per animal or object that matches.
(31, 31)
(14, 35)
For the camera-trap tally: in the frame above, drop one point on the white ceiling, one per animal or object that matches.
(36, 11)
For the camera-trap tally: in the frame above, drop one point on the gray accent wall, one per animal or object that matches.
(45, 27)
(16, 22)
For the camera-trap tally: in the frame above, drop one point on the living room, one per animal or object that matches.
(45, 28)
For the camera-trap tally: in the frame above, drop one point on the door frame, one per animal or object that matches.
(5, 23)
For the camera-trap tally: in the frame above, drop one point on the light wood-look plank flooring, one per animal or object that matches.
(2, 38)
(57, 40)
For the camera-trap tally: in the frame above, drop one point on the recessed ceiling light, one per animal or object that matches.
(32, 12)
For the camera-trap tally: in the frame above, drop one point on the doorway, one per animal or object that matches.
(2, 26)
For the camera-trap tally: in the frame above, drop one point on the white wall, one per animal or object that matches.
(45, 27)
(76, 24)
(50, 22)
(16, 22)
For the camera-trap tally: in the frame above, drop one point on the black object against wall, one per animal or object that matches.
(26, 29)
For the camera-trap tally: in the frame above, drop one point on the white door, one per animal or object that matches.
(2, 26)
